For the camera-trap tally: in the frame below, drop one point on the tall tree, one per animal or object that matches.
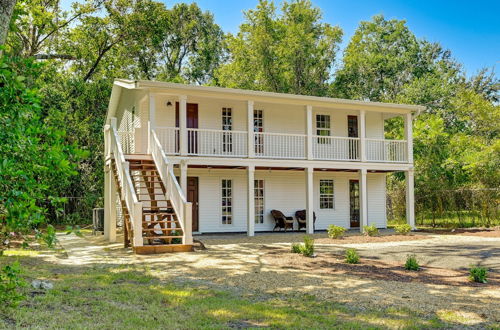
(291, 52)
(6, 10)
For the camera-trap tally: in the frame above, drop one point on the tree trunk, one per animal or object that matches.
(6, 9)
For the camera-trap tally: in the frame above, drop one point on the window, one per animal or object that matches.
(258, 127)
(227, 202)
(227, 125)
(323, 128)
(259, 200)
(326, 194)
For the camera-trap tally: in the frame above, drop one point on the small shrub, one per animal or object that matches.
(370, 230)
(176, 240)
(411, 262)
(478, 274)
(335, 231)
(10, 283)
(403, 229)
(296, 248)
(308, 247)
(351, 256)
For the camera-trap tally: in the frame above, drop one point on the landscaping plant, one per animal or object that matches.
(403, 229)
(351, 256)
(335, 231)
(10, 283)
(370, 230)
(411, 262)
(296, 248)
(478, 274)
(307, 249)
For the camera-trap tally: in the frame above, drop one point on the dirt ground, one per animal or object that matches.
(263, 265)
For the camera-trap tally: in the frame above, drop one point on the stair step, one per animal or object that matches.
(160, 237)
(158, 213)
(153, 222)
(162, 229)
(146, 175)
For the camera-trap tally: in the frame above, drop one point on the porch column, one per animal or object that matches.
(409, 136)
(309, 132)
(109, 206)
(309, 200)
(250, 128)
(363, 199)
(184, 168)
(152, 116)
(251, 201)
(362, 135)
(410, 198)
(183, 133)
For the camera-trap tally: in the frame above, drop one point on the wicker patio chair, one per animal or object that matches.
(282, 222)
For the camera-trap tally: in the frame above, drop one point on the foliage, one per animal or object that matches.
(335, 231)
(307, 248)
(296, 248)
(411, 262)
(478, 274)
(351, 256)
(35, 157)
(176, 240)
(403, 229)
(370, 230)
(290, 52)
(10, 284)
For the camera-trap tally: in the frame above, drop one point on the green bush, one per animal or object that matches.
(411, 262)
(176, 240)
(403, 229)
(335, 231)
(370, 230)
(308, 248)
(296, 248)
(10, 283)
(351, 256)
(478, 274)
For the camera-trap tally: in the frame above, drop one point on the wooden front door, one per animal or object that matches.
(191, 122)
(192, 196)
(354, 203)
(352, 132)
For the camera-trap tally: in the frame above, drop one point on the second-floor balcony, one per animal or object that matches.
(229, 143)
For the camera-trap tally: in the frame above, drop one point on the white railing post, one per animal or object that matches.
(363, 199)
(410, 198)
(188, 224)
(250, 201)
(362, 140)
(183, 133)
(250, 130)
(107, 142)
(309, 132)
(309, 172)
(409, 137)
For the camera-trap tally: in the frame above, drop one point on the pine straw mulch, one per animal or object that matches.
(358, 239)
(372, 269)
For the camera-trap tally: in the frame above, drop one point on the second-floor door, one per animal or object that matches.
(352, 132)
(191, 122)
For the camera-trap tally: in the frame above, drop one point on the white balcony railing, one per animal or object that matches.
(208, 142)
(380, 150)
(279, 145)
(335, 148)
(220, 143)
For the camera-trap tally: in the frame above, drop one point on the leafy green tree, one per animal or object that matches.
(291, 52)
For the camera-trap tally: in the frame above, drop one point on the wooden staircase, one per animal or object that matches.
(161, 230)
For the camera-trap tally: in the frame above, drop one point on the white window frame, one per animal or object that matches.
(327, 200)
(326, 127)
(227, 125)
(227, 217)
(258, 138)
(259, 201)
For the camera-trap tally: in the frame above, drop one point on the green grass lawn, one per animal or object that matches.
(121, 296)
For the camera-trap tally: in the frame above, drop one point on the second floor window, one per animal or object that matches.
(227, 201)
(227, 125)
(323, 128)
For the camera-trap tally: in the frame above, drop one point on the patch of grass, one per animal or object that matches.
(412, 262)
(127, 296)
(351, 256)
(478, 274)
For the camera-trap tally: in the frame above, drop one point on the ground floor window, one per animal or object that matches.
(259, 200)
(227, 202)
(326, 194)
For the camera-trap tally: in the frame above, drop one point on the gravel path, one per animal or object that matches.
(245, 266)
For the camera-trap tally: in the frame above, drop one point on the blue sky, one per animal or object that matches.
(470, 29)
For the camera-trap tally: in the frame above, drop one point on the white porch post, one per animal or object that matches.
(410, 198)
(309, 132)
(152, 118)
(409, 136)
(250, 128)
(251, 201)
(362, 135)
(363, 199)
(183, 125)
(310, 200)
(109, 205)
(183, 177)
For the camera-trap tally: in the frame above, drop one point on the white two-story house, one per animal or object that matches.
(183, 160)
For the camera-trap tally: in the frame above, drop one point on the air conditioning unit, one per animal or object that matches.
(98, 221)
